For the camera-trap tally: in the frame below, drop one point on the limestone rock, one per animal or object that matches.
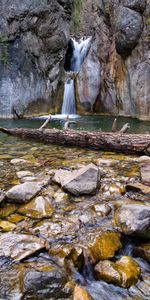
(104, 246)
(82, 181)
(19, 246)
(133, 219)
(143, 250)
(37, 208)
(124, 272)
(81, 294)
(145, 173)
(137, 5)
(23, 192)
(128, 30)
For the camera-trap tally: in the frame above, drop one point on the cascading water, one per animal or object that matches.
(80, 50)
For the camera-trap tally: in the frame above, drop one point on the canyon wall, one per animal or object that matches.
(117, 69)
(115, 77)
(33, 38)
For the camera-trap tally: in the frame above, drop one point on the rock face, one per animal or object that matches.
(121, 47)
(133, 219)
(34, 36)
(125, 272)
(19, 246)
(82, 181)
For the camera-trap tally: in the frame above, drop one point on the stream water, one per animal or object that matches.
(33, 277)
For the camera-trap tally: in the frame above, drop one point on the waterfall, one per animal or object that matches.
(80, 50)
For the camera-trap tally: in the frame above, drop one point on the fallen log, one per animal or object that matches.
(107, 141)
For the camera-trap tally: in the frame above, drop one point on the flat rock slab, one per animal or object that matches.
(24, 192)
(19, 246)
(83, 181)
(138, 187)
(145, 173)
(133, 219)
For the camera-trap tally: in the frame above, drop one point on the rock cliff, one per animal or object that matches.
(33, 39)
(115, 77)
(119, 59)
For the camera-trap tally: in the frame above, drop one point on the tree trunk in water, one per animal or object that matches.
(117, 142)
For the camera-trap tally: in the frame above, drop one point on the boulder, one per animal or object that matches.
(24, 192)
(145, 173)
(137, 5)
(19, 246)
(81, 294)
(83, 181)
(37, 208)
(104, 246)
(129, 27)
(142, 250)
(124, 272)
(133, 219)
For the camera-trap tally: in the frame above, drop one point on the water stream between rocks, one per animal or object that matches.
(52, 242)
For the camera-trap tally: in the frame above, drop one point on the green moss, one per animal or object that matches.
(76, 15)
(4, 55)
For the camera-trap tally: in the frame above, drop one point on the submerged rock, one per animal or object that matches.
(104, 246)
(19, 246)
(124, 272)
(143, 250)
(83, 181)
(37, 208)
(133, 219)
(81, 294)
(23, 192)
(145, 173)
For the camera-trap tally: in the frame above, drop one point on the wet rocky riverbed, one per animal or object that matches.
(74, 223)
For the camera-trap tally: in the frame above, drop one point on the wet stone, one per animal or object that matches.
(37, 208)
(143, 250)
(104, 246)
(23, 192)
(18, 161)
(138, 187)
(81, 294)
(133, 219)
(6, 226)
(102, 209)
(19, 246)
(145, 173)
(124, 272)
(22, 174)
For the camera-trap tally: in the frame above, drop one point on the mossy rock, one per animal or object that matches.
(7, 210)
(6, 226)
(125, 272)
(37, 208)
(105, 246)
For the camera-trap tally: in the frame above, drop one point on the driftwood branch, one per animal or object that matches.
(117, 142)
(46, 122)
(124, 128)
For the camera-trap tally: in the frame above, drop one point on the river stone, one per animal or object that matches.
(138, 187)
(143, 250)
(137, 5)
(24, 192)
(133, 219)
(82, 181)
(102, 209)
(6, 226)
(37, 208)
(129, 27)
(81, 294)
(145, 173)
(104, 246)
(19, 246)
(22, 174)
(18, 161)
(125, 272)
